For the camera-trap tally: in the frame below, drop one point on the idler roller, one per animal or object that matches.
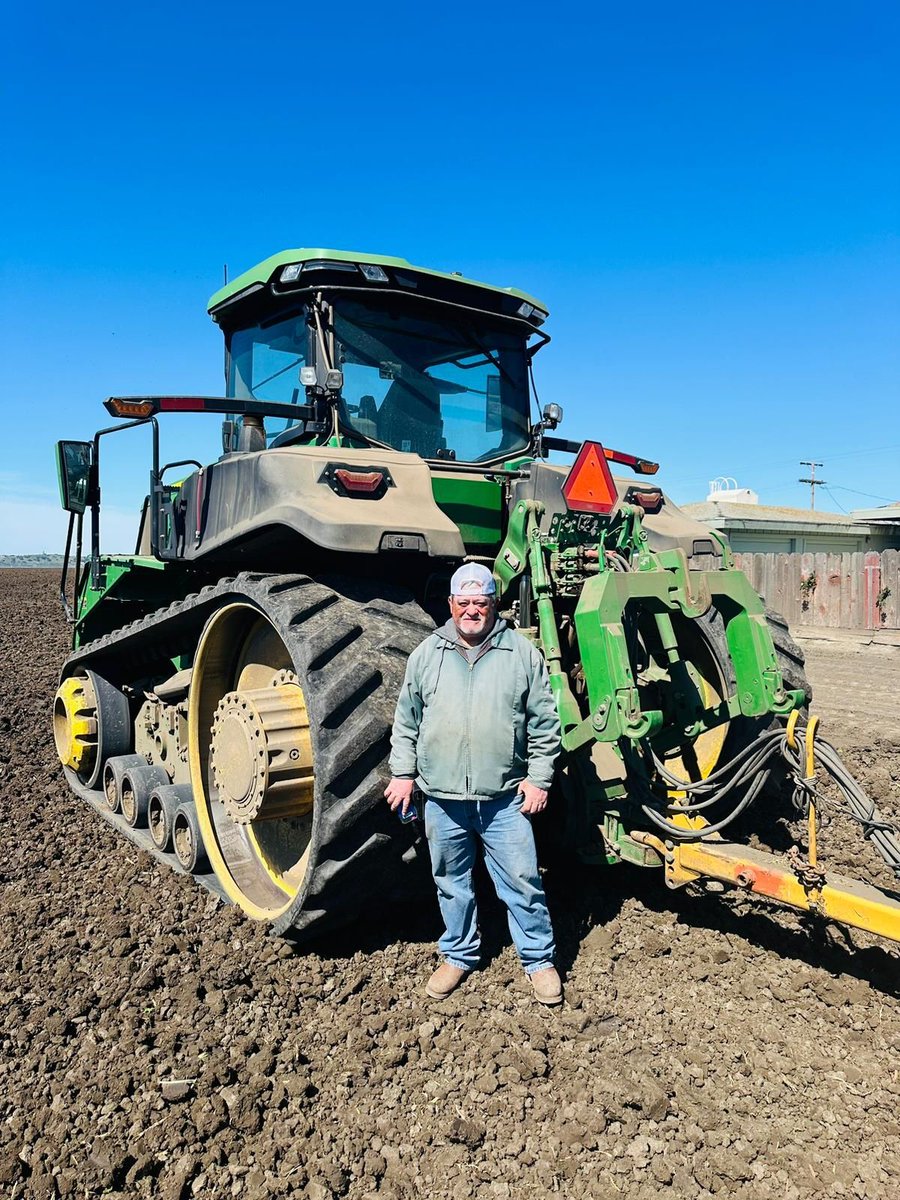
(162, 805)
(113, 771)
(260, 754)
(91, 723)
(138, 783)
(187, 840)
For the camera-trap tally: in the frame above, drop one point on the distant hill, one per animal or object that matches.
(31, 560)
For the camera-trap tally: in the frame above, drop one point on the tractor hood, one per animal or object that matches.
(351, 501)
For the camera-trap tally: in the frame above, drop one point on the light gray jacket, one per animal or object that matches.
(475, 730)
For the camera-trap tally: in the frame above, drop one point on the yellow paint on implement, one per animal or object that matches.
(849, 901)
(75, 724)
(798, 883)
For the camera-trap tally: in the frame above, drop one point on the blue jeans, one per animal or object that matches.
(454, 829)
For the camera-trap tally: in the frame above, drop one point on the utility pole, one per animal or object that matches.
(811, 480)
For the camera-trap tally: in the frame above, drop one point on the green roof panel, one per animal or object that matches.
(261, 274)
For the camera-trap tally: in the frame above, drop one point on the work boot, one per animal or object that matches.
(445, 980)
(547, 986)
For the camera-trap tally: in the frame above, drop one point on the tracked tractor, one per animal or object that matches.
(228, 700)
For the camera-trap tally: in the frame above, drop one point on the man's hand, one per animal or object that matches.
(534, 799)
(399, 793)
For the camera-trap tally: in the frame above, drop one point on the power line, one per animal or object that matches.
(835, 500)
(870, 450)
(857, 492)
(774, 465)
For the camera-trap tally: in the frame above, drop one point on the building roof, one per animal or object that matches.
(886, 512)
(754, 516)
(773, 519)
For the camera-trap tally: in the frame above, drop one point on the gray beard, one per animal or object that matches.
(479, 638)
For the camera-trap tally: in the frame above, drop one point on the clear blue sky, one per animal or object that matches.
(706, 196)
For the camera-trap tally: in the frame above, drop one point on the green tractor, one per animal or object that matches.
(228, 701)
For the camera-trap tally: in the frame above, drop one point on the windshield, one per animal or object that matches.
(438, 388)
(451, 387)
(265, 364)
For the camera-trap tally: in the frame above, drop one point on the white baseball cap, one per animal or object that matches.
(472, 579)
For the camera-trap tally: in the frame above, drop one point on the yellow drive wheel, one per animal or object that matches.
(75, 724)
(251, 761)
(91, 723)
(700, 756)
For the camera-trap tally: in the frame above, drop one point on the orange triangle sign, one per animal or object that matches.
(589, 486)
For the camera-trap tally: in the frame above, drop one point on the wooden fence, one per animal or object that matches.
(842, 591)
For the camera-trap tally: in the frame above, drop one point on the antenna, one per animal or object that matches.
(225, 271)
(812, 481)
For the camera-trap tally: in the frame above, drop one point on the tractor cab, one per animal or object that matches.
(375, 352)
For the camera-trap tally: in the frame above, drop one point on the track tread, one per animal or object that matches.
(343, 638)
(324, 647)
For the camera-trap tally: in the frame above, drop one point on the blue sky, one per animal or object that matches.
(705, 195)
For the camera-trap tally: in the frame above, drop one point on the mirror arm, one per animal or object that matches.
(70, 615)
(96, 581)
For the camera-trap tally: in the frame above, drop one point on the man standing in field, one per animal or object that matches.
(476, 729)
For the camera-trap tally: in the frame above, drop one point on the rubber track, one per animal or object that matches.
(348, 642)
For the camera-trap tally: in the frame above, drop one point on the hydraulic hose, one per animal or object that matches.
(751, 768)
(859, 806)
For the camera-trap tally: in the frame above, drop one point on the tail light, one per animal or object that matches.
(649, 499)
(363, 483)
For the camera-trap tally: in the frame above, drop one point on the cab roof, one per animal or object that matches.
(269, 269)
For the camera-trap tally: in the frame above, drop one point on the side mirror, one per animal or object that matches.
(74, 461)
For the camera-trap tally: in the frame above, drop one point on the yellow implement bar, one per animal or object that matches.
(792, 880)
(760, 874)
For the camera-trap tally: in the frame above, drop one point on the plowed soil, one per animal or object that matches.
(156, 1043)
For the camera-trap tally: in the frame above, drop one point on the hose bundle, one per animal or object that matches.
(747, 774)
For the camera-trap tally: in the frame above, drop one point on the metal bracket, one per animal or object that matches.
(807, 871)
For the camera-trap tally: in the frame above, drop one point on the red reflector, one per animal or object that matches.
(182, 404)
(649, 499)
(365, 482)
(589, 486)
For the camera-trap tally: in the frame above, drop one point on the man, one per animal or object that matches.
(476, 729)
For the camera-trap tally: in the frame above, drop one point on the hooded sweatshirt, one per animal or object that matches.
(473, 726)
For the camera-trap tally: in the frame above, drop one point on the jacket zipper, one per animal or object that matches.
(471, 668)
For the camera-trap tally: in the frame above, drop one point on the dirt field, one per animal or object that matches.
(154, 1043)
(856, 687)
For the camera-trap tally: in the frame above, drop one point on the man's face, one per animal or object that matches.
(473, 616)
